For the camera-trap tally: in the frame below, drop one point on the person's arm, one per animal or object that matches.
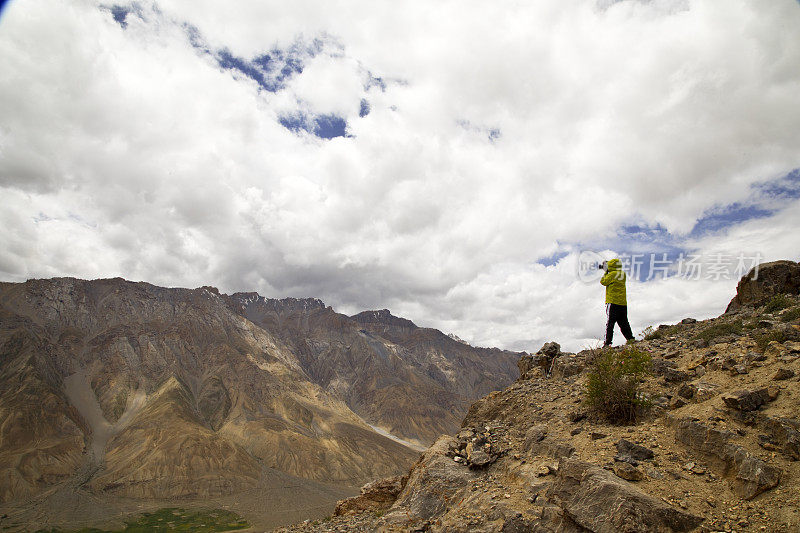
(607, 278)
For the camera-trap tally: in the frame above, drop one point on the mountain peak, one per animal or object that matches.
(282, 305)
(382, 317)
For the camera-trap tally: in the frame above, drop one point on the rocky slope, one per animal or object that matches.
(718, 450)
(112, 390)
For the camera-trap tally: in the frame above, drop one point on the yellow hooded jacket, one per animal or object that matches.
(614, 282)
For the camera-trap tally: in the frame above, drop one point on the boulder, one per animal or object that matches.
(765, 281)
(534, 435)
(550, 349)
(672, 375)
(753, 475)
(635, 451)
(676, 402)
(793, 347)
(375, 496)
(627, 471)
(783, 373)
(480, 459)
(747, 400)
(705, 391)
(602, 502)
(785, 434)
(686, 391)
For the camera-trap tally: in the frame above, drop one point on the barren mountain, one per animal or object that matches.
(718, 449)
(416, 383)
(117, 391)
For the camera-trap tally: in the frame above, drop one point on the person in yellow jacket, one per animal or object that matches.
(616, 300)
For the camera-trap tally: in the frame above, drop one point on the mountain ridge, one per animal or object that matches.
(193, 394)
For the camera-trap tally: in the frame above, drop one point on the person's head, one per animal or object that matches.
(611, 264)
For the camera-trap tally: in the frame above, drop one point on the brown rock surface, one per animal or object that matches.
(601, 502)
(375, 496)
(765, 281)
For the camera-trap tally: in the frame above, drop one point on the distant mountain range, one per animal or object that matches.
(127, 390)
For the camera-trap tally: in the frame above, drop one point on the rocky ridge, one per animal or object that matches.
(719, 449)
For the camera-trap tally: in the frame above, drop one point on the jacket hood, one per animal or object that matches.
(613, 264)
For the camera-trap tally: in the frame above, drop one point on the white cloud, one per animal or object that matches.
(130, 152)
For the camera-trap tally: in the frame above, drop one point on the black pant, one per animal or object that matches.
(617, 314)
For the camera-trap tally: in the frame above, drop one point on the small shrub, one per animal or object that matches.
(791, 315)
(612, 389)
(778, 302)
(652, 333)
(763, 339)
(718, 330)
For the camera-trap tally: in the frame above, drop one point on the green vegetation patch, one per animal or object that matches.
(721, 329)
(651, 334)
(612, 388)
(778, 302)
(791, 315)
(174, 520)
(763, 339)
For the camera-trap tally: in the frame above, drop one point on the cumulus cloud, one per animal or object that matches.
(425, 157)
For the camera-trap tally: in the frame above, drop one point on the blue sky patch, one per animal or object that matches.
(230, 62)
(730, 215)
(785, 188)
(323, 126)
(552, 259)
(330, 126)
(364, 109)
(120, 12)
(270, 71)
(766, 199)
(375, 81)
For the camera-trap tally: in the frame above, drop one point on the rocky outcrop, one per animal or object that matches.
(602, 502)
(434, 483)
(550, 360)
(749, 400)
(750, 475)
(375, 496)
(764, 282)
(781, 434)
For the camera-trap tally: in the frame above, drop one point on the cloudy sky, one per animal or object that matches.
(448, 160)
